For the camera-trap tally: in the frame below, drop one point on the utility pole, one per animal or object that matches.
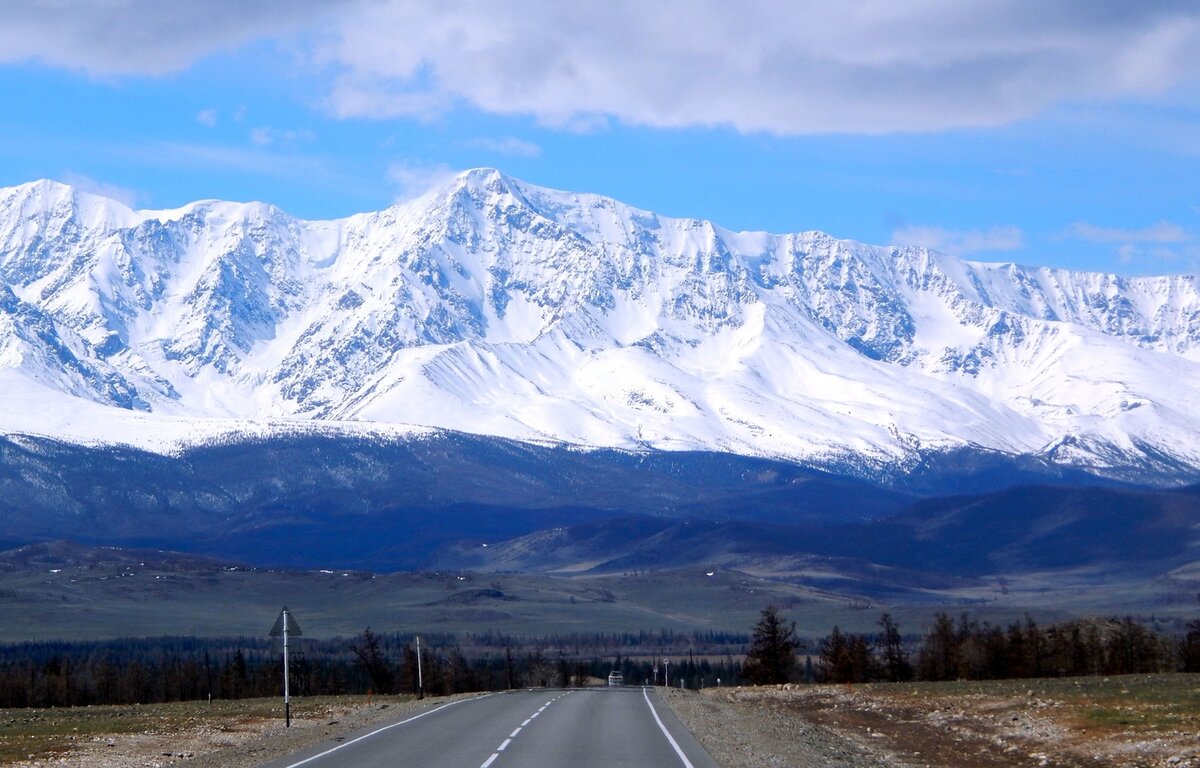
(420, 678)
(508, 665)
(287, 691)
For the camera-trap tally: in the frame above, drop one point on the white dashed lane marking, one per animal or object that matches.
(504, 745)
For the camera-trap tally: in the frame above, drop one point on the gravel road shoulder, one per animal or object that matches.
(749, 728)
(1135, 721)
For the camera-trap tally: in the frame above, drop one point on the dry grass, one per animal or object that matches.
(1144, 721)
(163, 734)
(1135, 721)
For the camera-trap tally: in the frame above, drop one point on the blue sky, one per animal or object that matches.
(1065, 134)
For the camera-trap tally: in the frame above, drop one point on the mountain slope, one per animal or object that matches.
(495, 307)
(1108, 533)
(309, 500)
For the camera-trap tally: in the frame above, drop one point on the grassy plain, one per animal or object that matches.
(109, 593)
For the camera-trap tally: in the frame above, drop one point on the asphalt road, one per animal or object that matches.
(580, 727)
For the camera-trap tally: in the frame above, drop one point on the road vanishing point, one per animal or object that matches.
(539, 728)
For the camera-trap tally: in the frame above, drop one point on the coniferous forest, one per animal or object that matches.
(150, 670)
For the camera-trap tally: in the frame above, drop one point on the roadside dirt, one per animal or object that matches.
(751, 728)
(238, 734)
(1134, 722)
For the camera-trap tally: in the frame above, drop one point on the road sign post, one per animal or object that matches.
(286, 625)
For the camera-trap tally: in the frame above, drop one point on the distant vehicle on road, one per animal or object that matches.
(616, 678)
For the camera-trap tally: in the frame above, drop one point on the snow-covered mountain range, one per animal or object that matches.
(496, 307)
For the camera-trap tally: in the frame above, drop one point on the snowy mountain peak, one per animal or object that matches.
(50, 201)
(498, 307)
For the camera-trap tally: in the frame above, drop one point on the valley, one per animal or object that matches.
(459, 533)
(534, 384)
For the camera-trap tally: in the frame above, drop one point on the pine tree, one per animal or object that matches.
(772, 655)
(835, 653)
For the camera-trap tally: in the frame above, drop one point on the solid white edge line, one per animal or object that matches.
(663, 728)
(384, 728)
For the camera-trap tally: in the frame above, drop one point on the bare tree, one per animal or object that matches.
(370, 653)
(893, 660)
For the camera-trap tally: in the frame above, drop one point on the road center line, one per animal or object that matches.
(687, 763)
(503, 746)
(384, 728)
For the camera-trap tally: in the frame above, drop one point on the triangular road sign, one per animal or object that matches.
(292, 626)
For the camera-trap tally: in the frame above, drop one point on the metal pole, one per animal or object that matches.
(287, 694)
(420, 678)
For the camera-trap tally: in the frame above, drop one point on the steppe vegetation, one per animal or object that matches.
(1131, 721)
(1139, 721)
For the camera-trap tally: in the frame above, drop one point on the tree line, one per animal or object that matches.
(152, 670)
(968, 649)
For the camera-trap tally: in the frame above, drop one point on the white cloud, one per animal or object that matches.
(124, 195)
(191, 155)
(414, 179)
(265, 136)
(379, 98)
(207, 117)
(961, 242)
(510, 145)
(1160, 258)
(1162, 232)
(261, 136)
(146, 37)
(1160, 247)
(781, 66)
